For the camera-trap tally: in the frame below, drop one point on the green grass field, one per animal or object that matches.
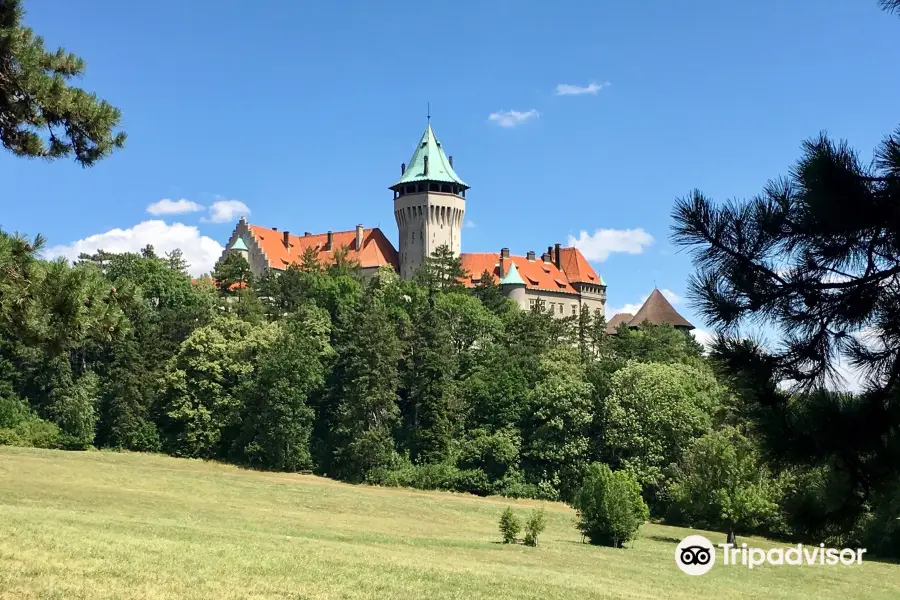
(106, 525)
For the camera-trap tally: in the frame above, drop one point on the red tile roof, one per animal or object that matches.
(376, 250)
(577, 267)
(537, 274)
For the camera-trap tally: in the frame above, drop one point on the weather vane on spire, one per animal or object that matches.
(429, 112)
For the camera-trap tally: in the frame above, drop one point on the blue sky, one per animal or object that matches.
(303, 112)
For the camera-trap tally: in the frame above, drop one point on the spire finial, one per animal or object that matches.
(429, 112)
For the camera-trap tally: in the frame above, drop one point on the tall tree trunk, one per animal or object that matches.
(732, 539)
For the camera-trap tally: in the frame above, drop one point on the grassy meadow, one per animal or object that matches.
(103, 525)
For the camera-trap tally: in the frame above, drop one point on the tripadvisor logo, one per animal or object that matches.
(696, 555)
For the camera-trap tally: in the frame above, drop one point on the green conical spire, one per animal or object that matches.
(439, 168)
(512, 276)
(239, 244)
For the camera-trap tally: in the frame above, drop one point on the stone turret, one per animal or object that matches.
(429, 204)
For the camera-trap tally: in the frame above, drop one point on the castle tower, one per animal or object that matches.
(429, 204)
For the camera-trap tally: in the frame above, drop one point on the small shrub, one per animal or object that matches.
(610, 506)
(509, 526)
(535, 525)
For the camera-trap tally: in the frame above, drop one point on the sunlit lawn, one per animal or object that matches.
(107, 525)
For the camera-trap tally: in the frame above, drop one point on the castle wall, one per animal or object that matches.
(254, 255)
(593, 296)
(425, 221)
(562, 305)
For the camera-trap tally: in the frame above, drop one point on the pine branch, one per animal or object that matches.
(35, 99)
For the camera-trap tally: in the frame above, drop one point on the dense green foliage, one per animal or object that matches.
(813, 264)
(534, 526)
(40, 114)
(723, 484)
(510, 526)
(408, 383)
(610, 506)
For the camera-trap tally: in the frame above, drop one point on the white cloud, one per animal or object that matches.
(511, 118)
(173, 207)
(200, 252)
(565, 89)
(224, 211)
(469, 224)
(704, 338)
(633, 308)
(603, 242)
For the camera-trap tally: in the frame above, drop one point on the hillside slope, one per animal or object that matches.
(105, 525)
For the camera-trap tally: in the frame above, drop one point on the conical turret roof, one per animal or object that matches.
(439, 168)
(512, 276)
(657, 311)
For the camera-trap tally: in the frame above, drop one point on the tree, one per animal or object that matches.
(285, 291)
(890, 5)
(722, 483)
(363, 389)
(488, 291)
(496, 390)
(232, 274)
(815, 260)
(655, 343)
(204, 402)
(556, 445)
(431, 367)
(610, 507)
(470, 323)
(41, 116)
(175, 261)
(278, 419)
(510, 526)
(653, 412)
(442, 270)
(535, 526)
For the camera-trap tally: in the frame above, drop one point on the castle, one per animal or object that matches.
(430, 208)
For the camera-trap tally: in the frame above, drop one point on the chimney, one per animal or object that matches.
(550, 251)
(546, 257)
(359, 237)
(274, 229)
(426, 165)
(330, 241)
(556, 257)
(402, 168)
(451, 162)
(286, 240)
(504, 257)
(530, 256)
(305, 233)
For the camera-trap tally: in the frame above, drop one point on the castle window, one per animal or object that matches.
(445, 188)
(433, 187)
(410, 189)
(531, 302)
(574, 309)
